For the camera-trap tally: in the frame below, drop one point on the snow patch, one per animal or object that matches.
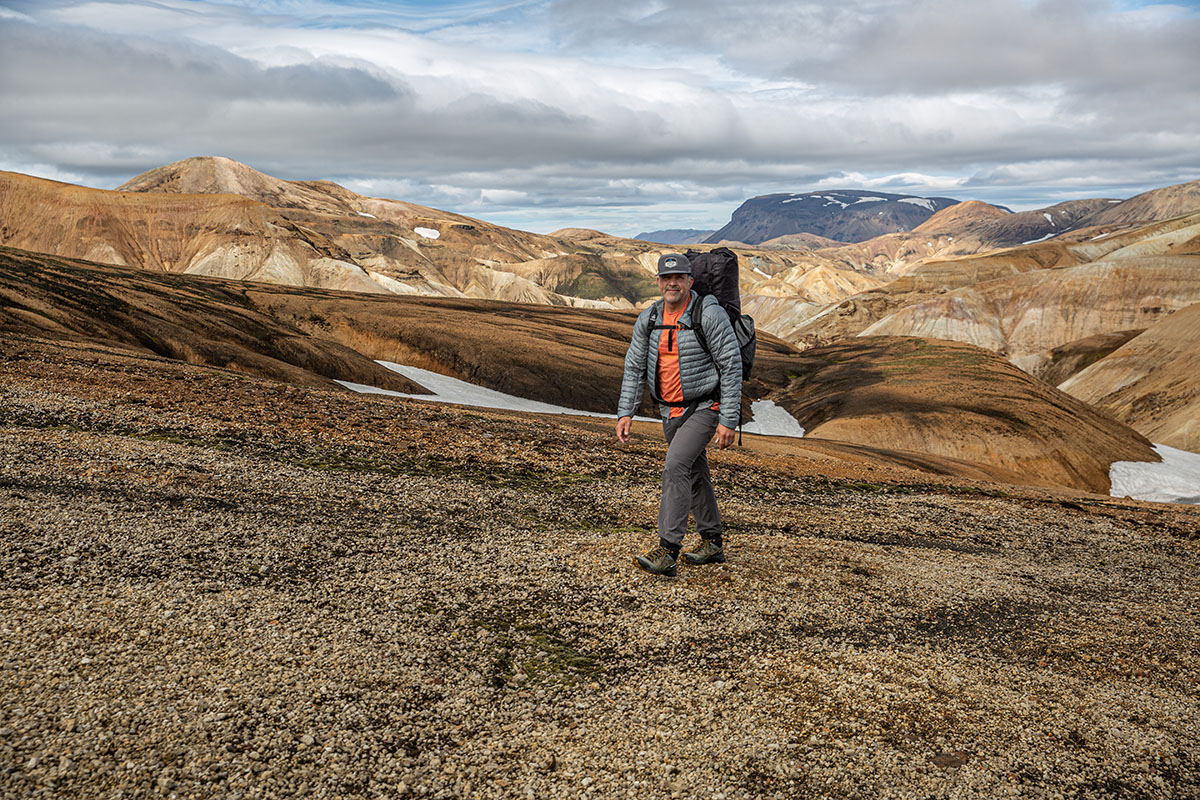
(829, 199)
(1175, 480)
(365, 214)
(919, 201)
(769, 419)
(869, 200)
(760, 272)
(428, 233)
(1048, 218)
(1049, 235)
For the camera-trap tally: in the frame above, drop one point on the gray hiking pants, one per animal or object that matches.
(686, 485)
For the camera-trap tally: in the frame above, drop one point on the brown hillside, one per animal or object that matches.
(1157, 205)
(221, 235)
(960, 219)
(799, 241)
(197, 320)
(569, 357)
(1035, 311)
(1059, 363)
(215, 175)
(1039, 224)
(912, 393)
(1153, 382)
(942, 296)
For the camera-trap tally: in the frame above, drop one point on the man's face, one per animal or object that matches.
(674, 288)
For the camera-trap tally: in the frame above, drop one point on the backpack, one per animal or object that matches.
(716, 273)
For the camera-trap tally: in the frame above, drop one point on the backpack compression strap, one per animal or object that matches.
(693, 404)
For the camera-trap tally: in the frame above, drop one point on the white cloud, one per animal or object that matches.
(8, 13)
(632, 112)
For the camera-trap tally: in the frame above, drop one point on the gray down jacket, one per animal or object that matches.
(699, 374)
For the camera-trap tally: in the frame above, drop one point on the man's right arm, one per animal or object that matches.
(624, 426)
(633, 382)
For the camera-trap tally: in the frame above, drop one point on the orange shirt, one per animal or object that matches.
(670, 387)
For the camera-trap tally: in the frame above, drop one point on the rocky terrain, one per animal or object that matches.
(216, 585)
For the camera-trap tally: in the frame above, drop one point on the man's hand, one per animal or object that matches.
(724, 436)
(623, 426)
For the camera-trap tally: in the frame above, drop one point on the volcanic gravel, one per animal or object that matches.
(220, 587)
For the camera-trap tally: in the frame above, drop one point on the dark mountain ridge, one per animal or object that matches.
(843, 214)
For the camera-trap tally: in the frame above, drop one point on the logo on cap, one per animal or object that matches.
(670, 262)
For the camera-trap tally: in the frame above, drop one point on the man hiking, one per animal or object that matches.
(699, 391)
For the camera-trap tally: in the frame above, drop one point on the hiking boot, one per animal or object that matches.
(658, 561)
(709, 552)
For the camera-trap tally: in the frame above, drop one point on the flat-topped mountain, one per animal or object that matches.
(844, 215)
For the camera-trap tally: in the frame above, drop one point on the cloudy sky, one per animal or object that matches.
(626, 115)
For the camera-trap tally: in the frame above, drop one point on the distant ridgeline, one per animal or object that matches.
(674, 236)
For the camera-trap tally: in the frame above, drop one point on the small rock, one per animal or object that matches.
(952, 760)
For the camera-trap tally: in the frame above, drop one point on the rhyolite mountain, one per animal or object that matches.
(218, 217)
(844, 215)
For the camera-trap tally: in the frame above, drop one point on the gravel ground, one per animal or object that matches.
(212, 586)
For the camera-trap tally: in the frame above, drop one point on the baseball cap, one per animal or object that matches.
(674, 264)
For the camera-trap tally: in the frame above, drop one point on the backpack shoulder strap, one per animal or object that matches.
(698, 325)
